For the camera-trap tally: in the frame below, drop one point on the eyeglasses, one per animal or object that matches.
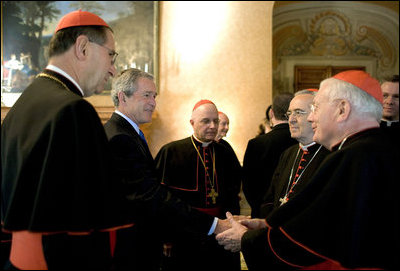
(111, 52)
(295, 113)
(313, 107)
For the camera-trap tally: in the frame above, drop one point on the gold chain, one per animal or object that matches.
(212, 182)
(53, 78)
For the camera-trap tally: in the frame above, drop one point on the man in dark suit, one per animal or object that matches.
(263, 152)
(151, 203)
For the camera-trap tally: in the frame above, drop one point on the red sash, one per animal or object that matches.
(210, 211)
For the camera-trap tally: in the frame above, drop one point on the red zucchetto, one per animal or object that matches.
(80, 18)
(201, 102)
(364, 81)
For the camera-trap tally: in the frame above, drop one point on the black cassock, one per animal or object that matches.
(182, 170)
(55, 174)
(294, 171)
(348, 215)
(259, 163)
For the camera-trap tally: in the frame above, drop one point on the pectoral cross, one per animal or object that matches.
(283, 200)
(213, 194)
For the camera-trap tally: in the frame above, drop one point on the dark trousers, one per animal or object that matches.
(137, 248)
(200, 255)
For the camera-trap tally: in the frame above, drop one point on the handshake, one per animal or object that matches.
(229, 231)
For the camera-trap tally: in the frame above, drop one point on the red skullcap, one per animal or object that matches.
(312, 89)
(363, 81)
(201, 102)
(80, 18)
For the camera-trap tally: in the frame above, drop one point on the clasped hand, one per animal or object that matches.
(231, 238)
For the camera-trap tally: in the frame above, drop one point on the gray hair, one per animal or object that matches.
(361, 102)
(126, 82)
(305, 91)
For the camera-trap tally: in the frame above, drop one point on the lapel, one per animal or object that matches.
(127, 128)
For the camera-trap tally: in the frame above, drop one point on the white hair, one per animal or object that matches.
(361, 102)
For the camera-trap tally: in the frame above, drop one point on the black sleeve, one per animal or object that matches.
(270, 249)
(144, 197)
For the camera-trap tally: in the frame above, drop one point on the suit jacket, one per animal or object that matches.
(149, 202)
(259, 163)
(146, 199)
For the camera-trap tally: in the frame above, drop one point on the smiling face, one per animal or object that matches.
(139, 107)
(323, 118)
(205, 122)
(300, 127)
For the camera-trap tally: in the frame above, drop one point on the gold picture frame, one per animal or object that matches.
(27, 27)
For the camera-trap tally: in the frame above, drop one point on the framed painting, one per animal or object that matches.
(27, 27)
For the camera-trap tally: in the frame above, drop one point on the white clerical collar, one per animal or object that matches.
(63, 73)
(389, 122)
(134, 125)
(305, 147)
(203, 144)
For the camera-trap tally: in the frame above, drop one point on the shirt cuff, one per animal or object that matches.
(213, 226)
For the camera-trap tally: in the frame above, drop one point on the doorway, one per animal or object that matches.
(310, 76)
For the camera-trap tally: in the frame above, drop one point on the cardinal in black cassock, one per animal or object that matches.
(295, 168)
(58, 196)
(348, 214)
(205, 175)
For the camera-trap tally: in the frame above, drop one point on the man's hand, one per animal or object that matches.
(231, 239)
(239, 218)
(254, 224)
(222, 225)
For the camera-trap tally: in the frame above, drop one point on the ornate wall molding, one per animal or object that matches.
(334, 31)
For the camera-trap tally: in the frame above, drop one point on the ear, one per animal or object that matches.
(344, 109)
(121, 97)
(271, 117)
(191, 122)
(81, 47)
(271, 114)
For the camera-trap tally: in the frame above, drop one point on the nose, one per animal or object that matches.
(310, 117)
(112, 71)
(153, 101)
(292, 118)
(389, 100)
